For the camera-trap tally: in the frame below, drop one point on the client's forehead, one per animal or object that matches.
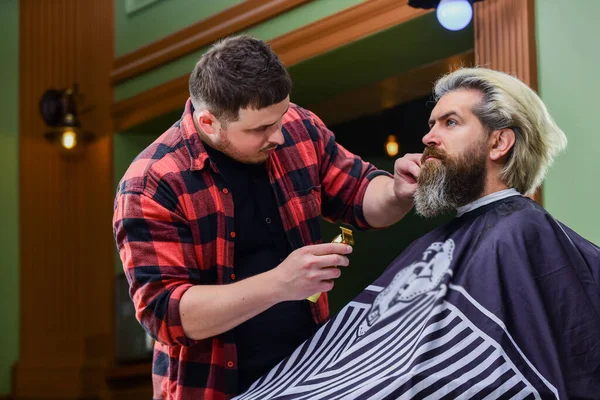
(459, 102)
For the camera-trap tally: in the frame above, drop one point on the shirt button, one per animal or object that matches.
(233, 277)
(268, 220)
(225, 190)
(232, 234)
(230, 364)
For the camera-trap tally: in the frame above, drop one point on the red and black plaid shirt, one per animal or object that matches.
(173, 225)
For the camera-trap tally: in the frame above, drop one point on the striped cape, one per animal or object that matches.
(501, 303)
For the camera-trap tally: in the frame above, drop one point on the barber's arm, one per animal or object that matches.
(357, 193)
(171, 300)
(388, 200)
(208, 310)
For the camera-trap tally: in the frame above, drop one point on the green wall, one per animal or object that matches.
(271, 29)
(9, 180)
(160, 19)
(568, 59)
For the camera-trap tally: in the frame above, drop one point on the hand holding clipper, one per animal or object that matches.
(345, 237)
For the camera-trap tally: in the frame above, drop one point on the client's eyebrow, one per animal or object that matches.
(443, 117)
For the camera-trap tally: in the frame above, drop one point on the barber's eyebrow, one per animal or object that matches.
(443, 117)
(266, 126)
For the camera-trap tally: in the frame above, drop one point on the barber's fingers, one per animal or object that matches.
(326, 286)
(326, 249)
(408, 167)
(331, 260)
(414, 170)
(329, 273)
(413, 157)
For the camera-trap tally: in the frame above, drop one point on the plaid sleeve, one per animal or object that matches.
(155, 245)
(344, 177)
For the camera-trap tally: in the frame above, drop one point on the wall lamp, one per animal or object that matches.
(391, 146)
(58, 108)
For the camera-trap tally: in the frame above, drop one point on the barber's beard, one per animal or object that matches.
(225, 146)
(450, 182)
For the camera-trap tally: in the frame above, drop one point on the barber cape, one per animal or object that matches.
(502, 302)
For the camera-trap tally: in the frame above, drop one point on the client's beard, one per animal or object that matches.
(450, 182)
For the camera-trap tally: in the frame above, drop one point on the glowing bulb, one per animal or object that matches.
(68, 140)
(391, 146)
(454, 15)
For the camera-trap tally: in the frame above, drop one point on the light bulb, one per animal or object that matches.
(454, 15)
(68, 139)
(391, 146)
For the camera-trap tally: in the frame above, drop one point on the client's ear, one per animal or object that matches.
(501, 142)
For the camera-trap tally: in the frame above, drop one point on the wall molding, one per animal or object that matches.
(194, 37)
(301, 44)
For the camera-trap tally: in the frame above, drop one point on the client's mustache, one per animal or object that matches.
(431, 151)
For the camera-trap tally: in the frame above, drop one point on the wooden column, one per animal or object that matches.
(505, 41)
(67, 249)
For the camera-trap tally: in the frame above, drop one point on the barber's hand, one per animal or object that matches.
(309, 270)
(406, 172)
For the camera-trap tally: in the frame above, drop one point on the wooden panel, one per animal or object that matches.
(201, 34)
(387, 93)
(505, 41)
(296, 46)
(505, 38)
(67, 248)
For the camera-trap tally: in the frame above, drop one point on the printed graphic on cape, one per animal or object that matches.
(401, 341)
(422, 278)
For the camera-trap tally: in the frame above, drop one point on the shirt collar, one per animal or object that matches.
(198, 154)
(490, 198)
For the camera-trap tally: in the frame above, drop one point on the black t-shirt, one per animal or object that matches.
(260, 245)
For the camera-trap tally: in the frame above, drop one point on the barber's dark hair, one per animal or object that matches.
(238, 72)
